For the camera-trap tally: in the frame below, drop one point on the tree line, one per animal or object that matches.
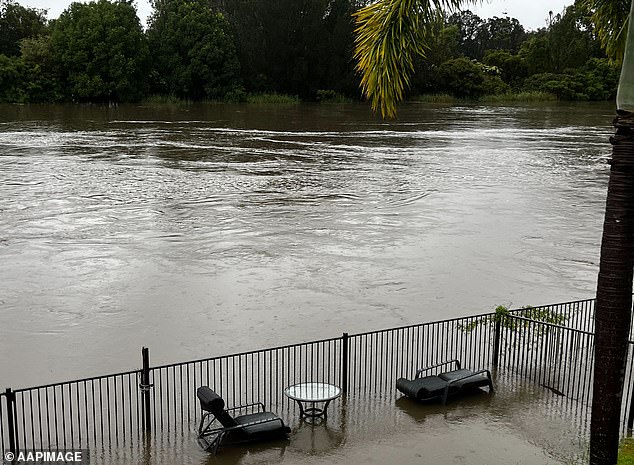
(226, 49)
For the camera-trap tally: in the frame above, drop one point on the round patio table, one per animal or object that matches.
(313, 394)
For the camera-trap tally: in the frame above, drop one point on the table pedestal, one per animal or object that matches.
(313, 411)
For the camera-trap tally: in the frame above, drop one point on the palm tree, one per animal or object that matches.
(610, 18)
(390, 34)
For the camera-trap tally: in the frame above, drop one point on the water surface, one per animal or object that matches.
(205, 230)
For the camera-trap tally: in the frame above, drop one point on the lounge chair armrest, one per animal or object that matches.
(481, 372)
(423, 370)
(258, 422)
(239, 407)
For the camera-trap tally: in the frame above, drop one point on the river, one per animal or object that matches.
(208, 229)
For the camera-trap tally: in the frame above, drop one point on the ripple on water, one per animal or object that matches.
(337, 219)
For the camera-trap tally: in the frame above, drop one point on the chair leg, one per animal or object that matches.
(215, 444)
(202, 430)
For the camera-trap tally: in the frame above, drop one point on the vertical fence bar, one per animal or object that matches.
(345, 339)
(496, 341)
(10, 396)
(630, 417)
(145, 389)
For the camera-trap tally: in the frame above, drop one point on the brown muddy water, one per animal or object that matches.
(207, 230)
(520, 424)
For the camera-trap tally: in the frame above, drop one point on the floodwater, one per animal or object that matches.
(520, 424)
(206, 230)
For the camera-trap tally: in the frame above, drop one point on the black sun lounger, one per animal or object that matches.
(218, 428)
(444, 385)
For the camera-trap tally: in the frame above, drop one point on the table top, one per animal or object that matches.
(313, 392)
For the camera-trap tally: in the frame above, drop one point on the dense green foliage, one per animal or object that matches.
(193, 52)
(564, 59)
(295, 47)
(101, 51)
(467, 78)
(386, 43)
(17, 23)
(242, 50)
(610, 19)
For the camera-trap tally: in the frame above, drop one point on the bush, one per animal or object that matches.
(330, 96)
(597, 80)
(467, 78)
(564, 86)
(272, 98)
(436, 98)
(526, 97)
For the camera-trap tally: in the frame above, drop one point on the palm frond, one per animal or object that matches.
(390, 34)
(610, 18)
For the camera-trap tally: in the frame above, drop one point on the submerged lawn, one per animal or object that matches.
(626, 454)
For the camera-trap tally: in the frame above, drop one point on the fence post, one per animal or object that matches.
(10, 396)
(630, 417)
(145, 389)
(496, 341)
(344, 362)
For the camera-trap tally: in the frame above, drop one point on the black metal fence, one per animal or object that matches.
(551, 345)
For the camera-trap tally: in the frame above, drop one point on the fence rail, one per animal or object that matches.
(551, 345)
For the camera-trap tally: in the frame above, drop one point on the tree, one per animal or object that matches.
(294, 46)
(501, 33)
(442, 48)
(101, 51)
(572, 39)
(30, 77)
(17, 23)
(469, 26)
(610, 18)
(568, 42)
(385, 46)
(535, 53)
(477, 35)
(11, 74)
(513, 68)
(193, 50)
(42, 75)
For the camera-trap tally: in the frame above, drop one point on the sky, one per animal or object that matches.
(532, 14)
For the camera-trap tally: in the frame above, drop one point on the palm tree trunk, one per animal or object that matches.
(614, 297)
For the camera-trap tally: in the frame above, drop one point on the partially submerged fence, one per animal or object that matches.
(551, 345)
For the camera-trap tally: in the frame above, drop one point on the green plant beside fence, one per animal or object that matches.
(626, 452)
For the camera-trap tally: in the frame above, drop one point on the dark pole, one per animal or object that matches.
(496, 341)
(145, 389)
(344, 362)
(10, 396)
(614, 297)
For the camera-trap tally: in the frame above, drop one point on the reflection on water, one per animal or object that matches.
(205, 230)
(318, 439)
